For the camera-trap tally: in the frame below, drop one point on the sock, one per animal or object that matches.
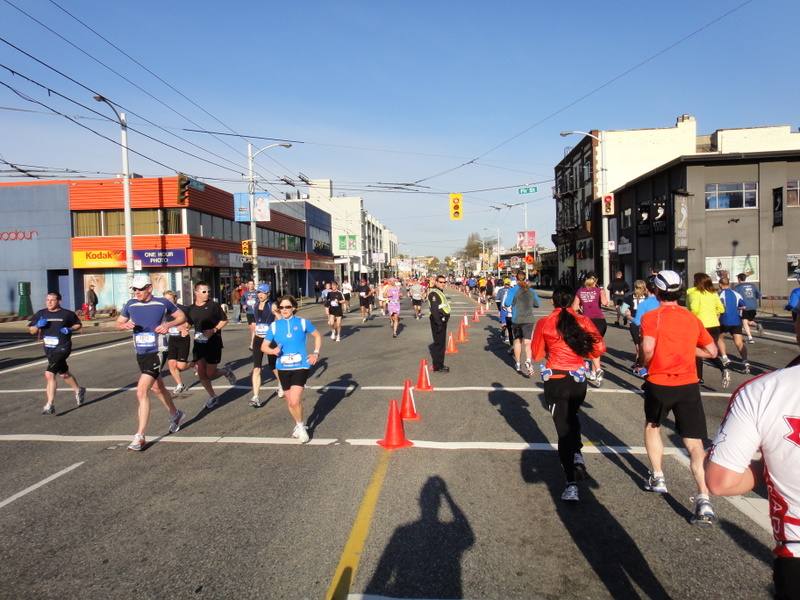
(699, 497)
(658, 474)
(724, 358)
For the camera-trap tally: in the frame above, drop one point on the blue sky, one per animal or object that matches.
(455, 96)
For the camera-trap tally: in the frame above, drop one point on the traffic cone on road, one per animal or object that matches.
(466, 321)
(480, 310)
(395, 435)
(462, 333)
(424, 379)
(475, 318)
(408, 410)
(451, 345)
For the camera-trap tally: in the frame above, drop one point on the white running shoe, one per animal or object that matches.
(175, 421)
(80, 396)
(570, 493)
(300, 433)
(212, 402)
(49, 409)
(338, 338)
(255, 402)
(229, 374)
(333, 335)
(726, 378)
(179, 388)
(703, 513)
(138, 443)
(281, 394)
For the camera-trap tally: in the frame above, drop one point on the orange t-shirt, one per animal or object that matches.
(677, 333)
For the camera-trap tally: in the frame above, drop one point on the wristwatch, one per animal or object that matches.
(316, 352)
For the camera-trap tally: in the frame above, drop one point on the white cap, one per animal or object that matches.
(668, 281)
(140, 281)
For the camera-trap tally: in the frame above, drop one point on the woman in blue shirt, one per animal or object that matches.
(290, 334)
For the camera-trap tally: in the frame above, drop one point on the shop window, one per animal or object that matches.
(720, 196)
(793, 193)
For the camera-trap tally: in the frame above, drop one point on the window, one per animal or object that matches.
(145, 222)
(793, 193)
(731, 195)
(113, 222)
(627, 218)
(172, 223)
(87, 223)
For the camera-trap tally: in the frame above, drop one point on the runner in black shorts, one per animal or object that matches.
(178, 347)
(264, 313)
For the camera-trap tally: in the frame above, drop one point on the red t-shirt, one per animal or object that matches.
(547, 340)
(677, 333)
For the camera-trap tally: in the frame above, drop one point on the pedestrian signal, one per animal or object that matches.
(456, 207)
(607, 208)
(246, 247)
(183, 188)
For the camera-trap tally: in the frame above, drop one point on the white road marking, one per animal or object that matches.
(78, 353)
(36, 486)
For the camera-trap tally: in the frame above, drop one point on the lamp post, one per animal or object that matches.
(498, 246)
(126, 191)
(606, 274)
(251, 188)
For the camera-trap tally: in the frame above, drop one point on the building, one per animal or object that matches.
(73, 237)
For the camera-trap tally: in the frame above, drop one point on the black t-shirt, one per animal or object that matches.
(618, 287)
(364, 291)
(53, 339)
(334, 302)
(205, 317)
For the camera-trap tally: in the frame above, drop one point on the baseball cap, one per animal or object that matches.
(667, 281)
(139, 281)
(263, 287)
(506, 281)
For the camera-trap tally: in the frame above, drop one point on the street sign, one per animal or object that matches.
(531, 189)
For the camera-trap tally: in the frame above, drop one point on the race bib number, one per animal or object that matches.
(290, 360)
(50, 341)
(416, 296)
(199, 338)
(251, 303)
(334, 303)
(362, 294)
(261, 329)
(174, 331)
(145, 339)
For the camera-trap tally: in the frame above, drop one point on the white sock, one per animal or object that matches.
(658, 474)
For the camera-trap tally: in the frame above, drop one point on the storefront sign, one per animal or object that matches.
(98, 259)
(681, 205)
(209, 258)
(161, 258)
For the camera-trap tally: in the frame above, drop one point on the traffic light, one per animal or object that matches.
(456, 208)
(607, 208)
(246, 247)
(183, 188)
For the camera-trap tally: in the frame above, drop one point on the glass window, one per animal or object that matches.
(193, 222)
(145, 222)
(731, 195)
(627, 218)
(793, 193)
(113, 222)
(172, 220)
(87, 223)
(205, 225)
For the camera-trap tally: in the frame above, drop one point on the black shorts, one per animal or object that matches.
(683, 400)
(57, 363)
(416, 302)
(601, 325)
(291, 377)
(210, 351)
(151, 363)
(732, 329)
(258, 355)
(251, 318)
(636, 334)
(346, 297)
(335, 311)
(178, 348)
(749, 315)
(522, 331)
(786, 576)
(365, 302)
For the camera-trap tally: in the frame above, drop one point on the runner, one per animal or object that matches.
(290, 335)
(705, 304)
(522, 320)
(364, 299)
(566, 339)
(629, 307)
(730, 321)
(382, 296)
(265, 313)
(335, 302)
(618, 288)
(751, 295)
(248, 301)
(146, 316)
(208, 320)
(417, 294)
(589, 299)
(178, 346)
(489, 292)
(392, 295)
(347, 292)
(671, 338)
(56, 325)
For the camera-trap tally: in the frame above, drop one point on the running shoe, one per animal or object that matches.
(394, 334)
(518, 368)
(506, 340)
(212, 402)
(656, 484)
(338, 338)
(229, 374)
(175, 421)
(49, 409)
(333, 335)
(529, 367)
(725, 361)
(590, 375)
(570, 493)
(179, 388)
(255, 402)
(597, 380)
(703, 513)
(300, 433)
(750, 341)
(280, 392)
(138, 443)
(726, 378)
(746, 368)
(80, 396)
(364, 320)
(580, 467)
(640, 372)
(760, 328)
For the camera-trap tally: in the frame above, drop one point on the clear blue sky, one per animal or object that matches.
(378, 92)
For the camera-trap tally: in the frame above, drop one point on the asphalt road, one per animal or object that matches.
(232, 507)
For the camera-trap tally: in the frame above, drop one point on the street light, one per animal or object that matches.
(251, 188)
(126, 191)
(606, 274)
(498, 246)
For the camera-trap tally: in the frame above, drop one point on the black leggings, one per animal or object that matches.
(714, 332)
(564, 397)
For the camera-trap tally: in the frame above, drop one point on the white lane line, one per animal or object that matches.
(35, 437)
(78, 353)
(17, 345)
(36, 486)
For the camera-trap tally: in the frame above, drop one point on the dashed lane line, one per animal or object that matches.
(36, 486)
(78, 353)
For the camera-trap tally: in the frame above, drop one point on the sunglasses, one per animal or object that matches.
(139, 289)
(202, 291)
(286, 307)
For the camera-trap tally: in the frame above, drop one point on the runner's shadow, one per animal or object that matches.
(624, 571)
(330, 396)
(423, 558)
(320, 367)
(514, 409)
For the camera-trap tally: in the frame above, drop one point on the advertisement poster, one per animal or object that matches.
(526, 239)
(347, 242)
(731, 266)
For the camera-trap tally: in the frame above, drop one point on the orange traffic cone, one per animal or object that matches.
(475, 318)
(480, 310)
(451, 345)
(395, 435)
(424, 379)
(466, 321)
(408, 410)
(462, 333)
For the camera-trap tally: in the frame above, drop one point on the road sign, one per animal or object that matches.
(531, 189)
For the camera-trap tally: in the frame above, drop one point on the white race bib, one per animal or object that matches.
(174, 330)
(145, 339)
(261, 329)
(200, 338)
(289, 360)
(251, 303)
(334, 303)
(50, 341)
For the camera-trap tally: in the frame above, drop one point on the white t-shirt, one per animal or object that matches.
(765, 414)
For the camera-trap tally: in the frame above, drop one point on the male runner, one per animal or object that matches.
(730, 321)
(248, 301)
(347, 292)
(56, 326)
(671, 338)
(364, 299)
(147, 316)
(265, 314)
(751, 295)
(335, 303)
(417, 294)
